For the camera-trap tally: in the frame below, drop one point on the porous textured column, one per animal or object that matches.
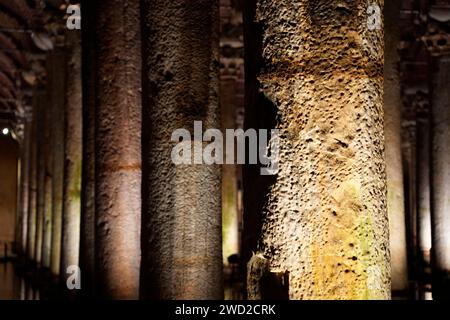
(57, 67)
(440, 183)
(181, 216)
(394, 165)
(325, 223)
(72, 155)
(117, 147)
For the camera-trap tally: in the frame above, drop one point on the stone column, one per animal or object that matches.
(41, 171)
(423, 194)
(32, 193)
(117, 75)
(230, 216)
(72, 154)
(440, 178)
(394, 165)
(320, 64)
(87, 244)
(57, 78)
(181, 216)
(24, 184)
(48, 179)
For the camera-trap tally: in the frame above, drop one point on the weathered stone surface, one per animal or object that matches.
(325, 216)
(117, 147)
(181, 219)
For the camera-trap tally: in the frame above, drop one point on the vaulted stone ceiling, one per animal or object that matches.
(26, 32)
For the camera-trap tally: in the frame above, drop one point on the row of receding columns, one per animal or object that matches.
(151, 229)
(51, 171)
(102, 190)
(103, 109)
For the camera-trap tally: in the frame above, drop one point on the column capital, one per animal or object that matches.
(231, 42)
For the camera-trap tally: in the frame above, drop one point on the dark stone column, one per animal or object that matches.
(394, 165)
(181, 216)
(41, 171)
(48, 179)
(440, 178)
(87, 244)
(423, 196)
(57, 67)
(31, 236)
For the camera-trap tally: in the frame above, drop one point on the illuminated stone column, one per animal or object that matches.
(32, 193)
(41, 172)
(48, 179)
(394, 166)
(24, 184)
(440, 178)
(116, 26)
(320, 64)
(423, 191)
(181, 216)
(230, 217)
(70, 245)
(57, 66)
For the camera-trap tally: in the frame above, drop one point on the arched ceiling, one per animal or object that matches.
(21, 23)
(17, 20)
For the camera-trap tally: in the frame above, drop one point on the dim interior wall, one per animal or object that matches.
(8, 188)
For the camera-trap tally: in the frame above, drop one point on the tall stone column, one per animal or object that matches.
(72, 154)
(325, 224)
(117, 77)
(394, 165)
(230, 215)
(32, 193)
(440, 178)
(87, 243)
(48, 179)
(423, 154)
(181, 216)
(57, 78)
(24, 184)
(423, 193)
(41, 171)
